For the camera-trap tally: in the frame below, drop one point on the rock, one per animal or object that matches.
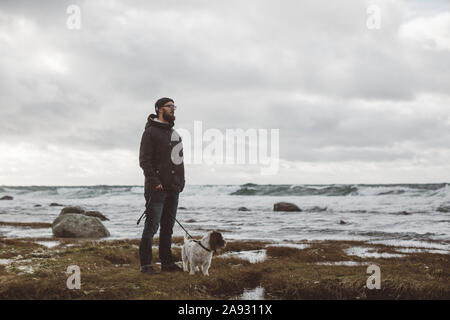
(80, 210)
(96, 214)
(443, 208)
(285, 206)
(72, 225)
(342, 222)
(76, 209)
(405, 213)
(37, 205)
(243, 209)
(54, 204)
(182, 208)
(6, 198)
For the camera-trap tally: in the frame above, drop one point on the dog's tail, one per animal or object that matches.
(185, 237)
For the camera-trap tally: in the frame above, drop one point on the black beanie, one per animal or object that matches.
(160, 103)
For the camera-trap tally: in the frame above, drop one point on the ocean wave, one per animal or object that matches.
(76, 192)
(396, 235)
(34, 191)
(251, 189)
(401, 189)
(93, 191)
(30, 189)
(316, 209)
(391, 192)
(137, 190)
(441, 190)
(295, 190)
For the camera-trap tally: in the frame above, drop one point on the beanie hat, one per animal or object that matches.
(160, 103)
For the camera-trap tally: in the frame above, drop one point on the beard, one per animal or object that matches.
(168, 116)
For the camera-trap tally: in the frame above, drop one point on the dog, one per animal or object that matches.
(197, 254)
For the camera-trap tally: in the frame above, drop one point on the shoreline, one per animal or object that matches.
(370, 237)
(35, 268)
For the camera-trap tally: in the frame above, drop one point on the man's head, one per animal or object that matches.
(165, 109)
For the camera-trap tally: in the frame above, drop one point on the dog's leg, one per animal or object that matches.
(205, 268)
(191, 265)
(185, 259)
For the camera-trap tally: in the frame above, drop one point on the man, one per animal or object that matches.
(161, 159)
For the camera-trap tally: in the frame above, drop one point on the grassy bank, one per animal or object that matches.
(322, 270)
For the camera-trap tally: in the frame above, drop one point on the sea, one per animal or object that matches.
(416, 215)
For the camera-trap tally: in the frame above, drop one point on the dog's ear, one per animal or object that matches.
(214, 240)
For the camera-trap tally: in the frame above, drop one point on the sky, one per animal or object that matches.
(353, 103)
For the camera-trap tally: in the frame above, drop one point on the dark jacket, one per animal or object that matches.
(160, 157)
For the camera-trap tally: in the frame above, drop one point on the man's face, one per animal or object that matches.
(168, 112)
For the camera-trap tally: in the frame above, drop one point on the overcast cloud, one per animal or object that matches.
(353, 105)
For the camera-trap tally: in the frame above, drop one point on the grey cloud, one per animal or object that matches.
(230, 64)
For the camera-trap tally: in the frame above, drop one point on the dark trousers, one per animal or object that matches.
(162, 211)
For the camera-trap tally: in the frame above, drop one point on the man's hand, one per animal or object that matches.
(159, 187)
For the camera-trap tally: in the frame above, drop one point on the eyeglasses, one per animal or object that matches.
(171, 106)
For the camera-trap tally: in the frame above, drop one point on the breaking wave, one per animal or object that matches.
(251, 189)
(80, 192)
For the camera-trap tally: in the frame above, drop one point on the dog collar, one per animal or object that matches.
(201, 245)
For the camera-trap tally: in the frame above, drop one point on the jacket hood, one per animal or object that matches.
(151, 122)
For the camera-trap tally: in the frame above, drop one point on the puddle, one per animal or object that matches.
(71, 245)
(416, 250)
(5, 261)
(290, 245)
(253, 294)
(412, 243)
(366, 252)
(343, 263)
(253, 256)
(48, 244)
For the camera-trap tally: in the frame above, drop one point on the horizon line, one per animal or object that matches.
(225, 184)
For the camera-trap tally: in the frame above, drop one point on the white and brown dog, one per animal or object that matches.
(197, 254)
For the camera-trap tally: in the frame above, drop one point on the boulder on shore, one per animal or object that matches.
(243, 209)
(72, 225)
(6, 198)
(80, 210)
(285, 206)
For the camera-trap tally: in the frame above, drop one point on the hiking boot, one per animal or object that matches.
(171, 268)
(148, 270)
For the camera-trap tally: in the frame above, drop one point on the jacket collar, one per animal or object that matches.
(152, 122)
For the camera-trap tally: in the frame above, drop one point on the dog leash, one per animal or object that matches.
(184, 229)
(139, 220)
(199, 242)
(145, 211)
